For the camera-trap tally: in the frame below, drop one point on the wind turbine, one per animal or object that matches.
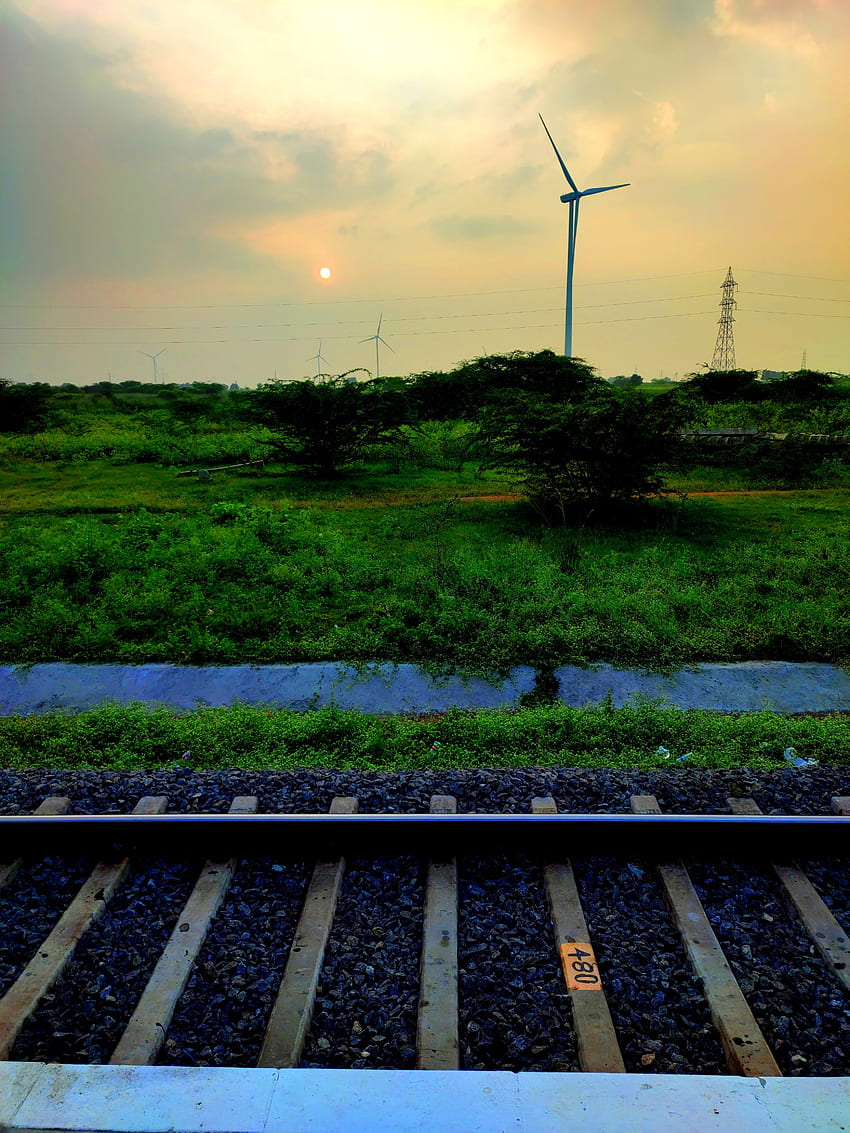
(153, 358)
(573, 199)
(377, 338)
(320, 358)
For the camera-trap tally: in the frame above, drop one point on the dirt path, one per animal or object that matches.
(505, 496)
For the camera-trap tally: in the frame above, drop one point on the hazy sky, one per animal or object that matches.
(175, 175)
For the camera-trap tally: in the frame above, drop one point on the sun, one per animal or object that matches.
(325, 273)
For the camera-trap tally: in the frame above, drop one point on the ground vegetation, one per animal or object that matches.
(640, 735)
(435, 545)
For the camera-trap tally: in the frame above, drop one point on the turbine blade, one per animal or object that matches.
(385, 343)
(369, 339)
(380, 317)
(573, 185)
(604, 189)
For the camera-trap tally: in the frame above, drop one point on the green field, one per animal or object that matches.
(418, 554)
(135, 564)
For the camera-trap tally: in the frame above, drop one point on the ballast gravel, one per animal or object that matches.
(29, 908)
(84, 1015)
(514, 1010)
(365, 1015)
(805, 1020)
(656, 1002)
(238, 971)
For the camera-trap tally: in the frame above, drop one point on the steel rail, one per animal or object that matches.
(649, 835)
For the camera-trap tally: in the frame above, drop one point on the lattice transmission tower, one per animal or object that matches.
(724, 349)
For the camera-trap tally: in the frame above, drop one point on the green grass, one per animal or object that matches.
(830, 473)
(556, 736)
(829, 416)
(150, 438)
(108, 555)
(59, 488)
(480, 586)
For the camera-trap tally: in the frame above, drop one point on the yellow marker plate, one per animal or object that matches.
(580, 969)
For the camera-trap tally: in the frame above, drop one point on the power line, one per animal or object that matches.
(422, 318)
(785, 295)
(793, 314)
(399, 319)
(794, 275)
(351, 337)
(416, 333)
(320, 302)
(392, 299)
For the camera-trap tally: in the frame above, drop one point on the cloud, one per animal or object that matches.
(792, 27)
(777, 28)
(479, 227)
(104, 181)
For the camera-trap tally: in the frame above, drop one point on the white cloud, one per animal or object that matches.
(776, 25)
(664, 123)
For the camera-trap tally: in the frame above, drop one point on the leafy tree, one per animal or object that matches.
(804, 385)
(467, 390)
(605, 447)
(24, 408)
(439, 396)
(723, 385)
(626, 381)
(544, 373)
(326, 424)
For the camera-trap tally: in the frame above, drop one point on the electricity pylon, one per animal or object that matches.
(724, 349)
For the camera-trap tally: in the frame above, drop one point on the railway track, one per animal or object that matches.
(440, 941)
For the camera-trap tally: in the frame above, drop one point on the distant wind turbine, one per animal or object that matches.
(573, 199)
(153, 358)
(320, 358)
(376, 337)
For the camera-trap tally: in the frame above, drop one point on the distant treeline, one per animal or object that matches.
(557, 429)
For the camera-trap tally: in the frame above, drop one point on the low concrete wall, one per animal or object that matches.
(775, 686)
(377, 689)
(749, 686)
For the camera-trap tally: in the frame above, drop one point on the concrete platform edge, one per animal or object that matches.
(97, 1099)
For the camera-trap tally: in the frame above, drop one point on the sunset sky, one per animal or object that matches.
(176, 174)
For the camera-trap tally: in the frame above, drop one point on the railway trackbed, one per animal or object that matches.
(612, 944)
(177, 970)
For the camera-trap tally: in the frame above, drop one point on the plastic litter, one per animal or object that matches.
(679, 759)
(796, 761)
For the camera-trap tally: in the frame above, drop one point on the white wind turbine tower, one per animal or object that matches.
(377, 338)
(153, 358)
(319, 357)
(572, 199)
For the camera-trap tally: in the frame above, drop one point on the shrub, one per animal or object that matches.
(601, 447)
(23, 408)
(325, 425)
(723, 385)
